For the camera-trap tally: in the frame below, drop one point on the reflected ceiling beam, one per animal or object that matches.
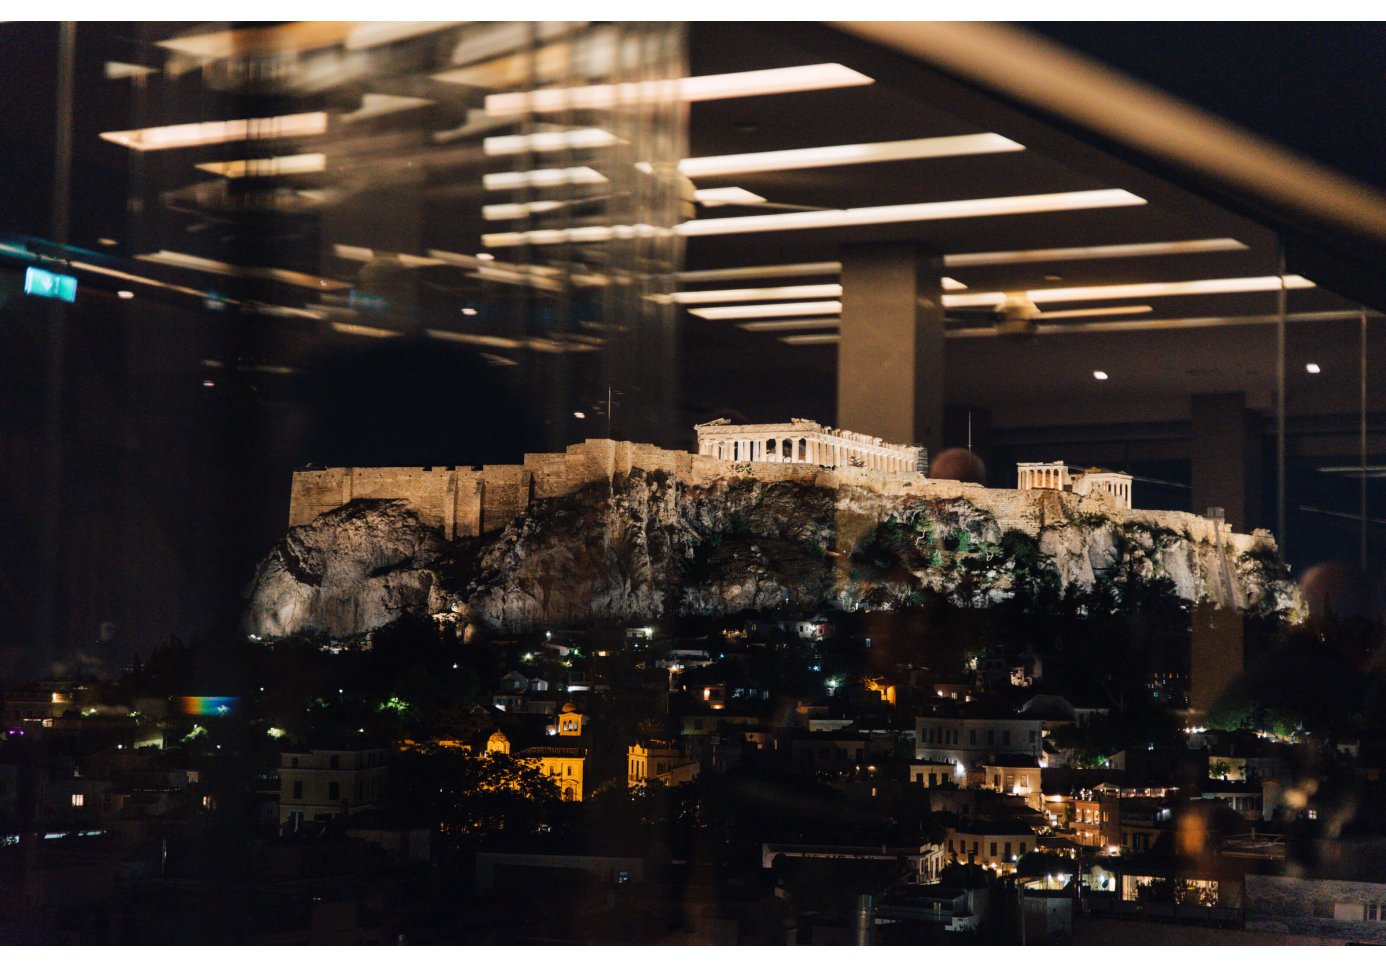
(834, 218)
(499, 181)
(833, 155)
(786, 271)
(781, 325)
(574, 139)
(812, 339)
(282, 38)
(268, 167)
(707, 87)
(826, 308)
(823, 291)
(1096, 311)
(200, 133)
(182, 260)
(1133, 250)
(717, 197)
(1147, 325)
(119, 70)
(1136, 290)
(379, 33)
(379, 105)
(1040, 74)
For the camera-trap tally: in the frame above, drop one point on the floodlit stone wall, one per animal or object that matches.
(472, 501)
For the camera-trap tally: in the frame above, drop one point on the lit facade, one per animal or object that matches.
(1055, 476)
(321, 784)
(802, 441)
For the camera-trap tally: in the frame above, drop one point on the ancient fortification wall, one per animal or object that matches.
(472, 501)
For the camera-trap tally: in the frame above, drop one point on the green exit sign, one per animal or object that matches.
(50, 285)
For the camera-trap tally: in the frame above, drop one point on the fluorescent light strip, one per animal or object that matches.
(1143, 325)
(288, 276)
(500, 213)
(770, 311)
(762, 272)
(267, 167)
(1096, 311)
(811, 339)
(831, 155)
(708, 87)
(780, 325)
(716, 197)
(1136, 290)
(826, 290)
(876, 215)
(542, 178)
(1093, 252)
(355, 329)
(220, 132)
(542, 141)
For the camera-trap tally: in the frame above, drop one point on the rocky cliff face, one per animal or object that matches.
(648, 546)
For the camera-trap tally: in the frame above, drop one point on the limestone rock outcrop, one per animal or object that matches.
(648, 546)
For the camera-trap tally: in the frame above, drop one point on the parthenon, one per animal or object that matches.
(806, 442)
(1055, 476)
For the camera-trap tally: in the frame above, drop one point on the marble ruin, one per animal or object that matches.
(805, 442)
(1056, 476)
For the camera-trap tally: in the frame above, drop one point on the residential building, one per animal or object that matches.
(320, 784)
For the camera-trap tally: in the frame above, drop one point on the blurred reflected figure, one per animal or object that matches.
(958, 464)
(1337, 589)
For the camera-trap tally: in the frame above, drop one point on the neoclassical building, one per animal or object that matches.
(1055, 476)
(806, 442)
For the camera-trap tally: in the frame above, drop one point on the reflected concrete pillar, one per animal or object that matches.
(1224, 451)
(890, 357)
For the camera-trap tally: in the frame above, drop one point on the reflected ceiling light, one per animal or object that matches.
(378, 33)
(145, 280)
(542, 178)
(761, 272)
(836, 218)
(779, 325)
(921, 212)
(267, 167)
(356, 329)
(485, 257)
(951, 284)
(496, 213)
(826, 290)
(105, 241)
(118, 70)
(1312, 368)
(1099, 375)
(493, 360)
(717, 197)
(1096, 311)
(829, 308)
(1153, 325)
(811, 339)
(542, 141)
(182, 260)
(1189, 247)
(220, 132)
(830, 155)
(125, 294)
(358, 253)
(477, 339)
(376, 105)
(708, 87)
(296, 36)
(1136, 290)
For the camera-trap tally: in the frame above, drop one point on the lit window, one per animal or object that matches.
(79, 799)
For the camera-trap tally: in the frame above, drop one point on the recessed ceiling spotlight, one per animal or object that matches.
(1099, 374)
(125, 294)
(468, 311)
(209, 383)
(1312, 368)
(1053, 278)
(485, 257)
(579, 414)
(105, 241)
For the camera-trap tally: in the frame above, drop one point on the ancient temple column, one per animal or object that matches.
(890, 357)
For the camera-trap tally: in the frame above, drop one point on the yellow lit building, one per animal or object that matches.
(660, 760)
(564, 764)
